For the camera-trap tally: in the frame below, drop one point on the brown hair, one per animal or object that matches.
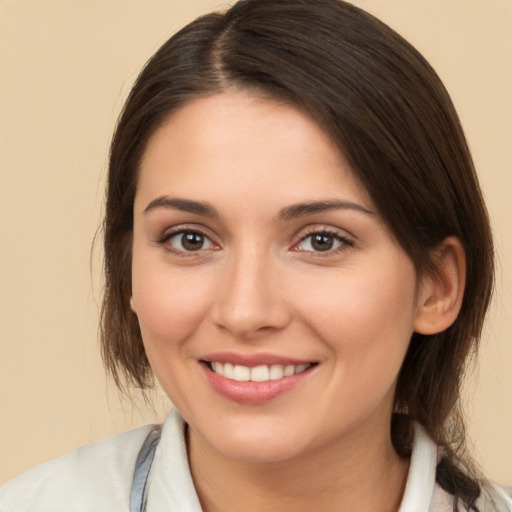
(387, 110)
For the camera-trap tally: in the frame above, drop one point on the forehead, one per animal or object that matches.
(237, 144)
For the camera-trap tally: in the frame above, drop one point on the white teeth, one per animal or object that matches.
(218, 368)
(289, 370)
(300, 368)
(260, 373)
(241, 373)
(276, 372)
(229, 371)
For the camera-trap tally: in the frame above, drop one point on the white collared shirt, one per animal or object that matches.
(98, 478)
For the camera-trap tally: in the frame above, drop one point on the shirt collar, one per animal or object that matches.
(422, 473)
(171, 484)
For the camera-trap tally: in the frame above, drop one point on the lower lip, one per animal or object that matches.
(253, 393)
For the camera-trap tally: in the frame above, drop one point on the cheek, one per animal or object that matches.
(169, 304)
(366, 316)
(170, 308)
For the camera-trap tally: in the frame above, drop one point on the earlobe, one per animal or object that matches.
(440, 295)
(132, 305)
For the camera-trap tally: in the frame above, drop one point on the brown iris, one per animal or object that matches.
(322, 242)
(192, 241)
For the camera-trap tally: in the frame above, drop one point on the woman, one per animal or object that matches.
(297, 248)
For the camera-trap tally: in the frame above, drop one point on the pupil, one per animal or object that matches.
(322, 242)
(192, 241)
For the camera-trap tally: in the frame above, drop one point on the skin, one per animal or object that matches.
(258, 285)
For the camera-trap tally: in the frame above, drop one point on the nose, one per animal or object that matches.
(250, 300)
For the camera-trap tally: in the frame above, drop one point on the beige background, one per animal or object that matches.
(65, 68)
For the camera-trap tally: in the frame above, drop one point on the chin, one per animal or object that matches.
(255, 452)
(257, 445)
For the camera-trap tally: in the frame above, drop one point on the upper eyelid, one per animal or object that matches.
(186, 228)
(344, 240)
(298, 237)
(332, 232)
(164, 242)
(347, 240)
(312, 230)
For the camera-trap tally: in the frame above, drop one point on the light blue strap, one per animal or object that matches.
(142, 468)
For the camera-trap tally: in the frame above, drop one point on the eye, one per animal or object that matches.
(188, 241)
(322, 241)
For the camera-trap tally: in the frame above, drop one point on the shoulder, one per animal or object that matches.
(95, 477)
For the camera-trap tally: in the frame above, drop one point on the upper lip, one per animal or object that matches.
(255, 359)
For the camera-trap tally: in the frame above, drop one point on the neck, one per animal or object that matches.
(359, 473)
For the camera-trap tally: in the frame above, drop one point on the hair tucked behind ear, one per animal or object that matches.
(388, 112)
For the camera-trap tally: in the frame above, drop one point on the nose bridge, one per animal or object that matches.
(249, 300)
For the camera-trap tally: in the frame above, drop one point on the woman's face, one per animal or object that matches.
(258, 255)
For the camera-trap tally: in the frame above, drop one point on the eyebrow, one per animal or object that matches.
(311, 208)
(184, 205)
(288, 213)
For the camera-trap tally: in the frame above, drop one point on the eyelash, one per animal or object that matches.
(164, 241)
(345, 242)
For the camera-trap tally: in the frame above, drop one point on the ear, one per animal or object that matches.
(440, 295)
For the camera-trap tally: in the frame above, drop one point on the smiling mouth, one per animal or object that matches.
(261, 373)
